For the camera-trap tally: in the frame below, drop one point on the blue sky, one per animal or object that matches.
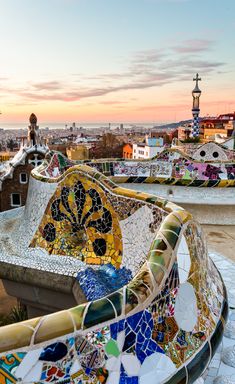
(127, 60)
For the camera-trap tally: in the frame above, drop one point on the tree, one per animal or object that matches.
(109, 146)
(194, 140)
(11, 144)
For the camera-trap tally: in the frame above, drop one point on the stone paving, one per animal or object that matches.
(221, 245)
(218, 372)
(221, 239)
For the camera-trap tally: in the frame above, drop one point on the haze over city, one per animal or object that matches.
(115, 61)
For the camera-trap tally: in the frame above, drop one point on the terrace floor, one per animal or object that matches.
(221, 239)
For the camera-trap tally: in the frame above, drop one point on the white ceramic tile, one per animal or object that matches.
(76, 366)
(34, 374)
(156, 368)
(183, 260)
(28, 363)
(131, 364)
(186, 298)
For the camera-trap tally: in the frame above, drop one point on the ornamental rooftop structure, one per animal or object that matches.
(14, 174)
(142, 301)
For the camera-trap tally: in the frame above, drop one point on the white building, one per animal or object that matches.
(144, 151)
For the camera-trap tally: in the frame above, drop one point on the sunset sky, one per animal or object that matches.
(115, 60)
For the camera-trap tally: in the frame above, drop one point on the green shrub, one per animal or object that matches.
(17, 314)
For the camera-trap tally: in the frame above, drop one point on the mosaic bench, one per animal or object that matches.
(152, 305)
(173, 172)
(209, 165)
(171, 175)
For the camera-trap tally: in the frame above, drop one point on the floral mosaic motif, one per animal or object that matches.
(164, 302)
(82, 223)
(78, 221)
(88, 363)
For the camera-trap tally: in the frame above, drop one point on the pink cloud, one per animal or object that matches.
(194, 46)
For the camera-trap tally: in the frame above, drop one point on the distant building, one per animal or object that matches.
(167, 135)
(128, 151)
(62, 147)
(154, 143)
(4, 156)
(14, 174)
(144, 151)
(86, 139)
(78, 152)
(184, 132)
(161, 135)
(212, 126)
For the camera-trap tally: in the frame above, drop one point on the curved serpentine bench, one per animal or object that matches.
(160, 304)
(172, 173)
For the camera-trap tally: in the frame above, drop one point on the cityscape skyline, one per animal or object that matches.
(103, 60)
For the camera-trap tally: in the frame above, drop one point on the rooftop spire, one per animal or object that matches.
(196, 93)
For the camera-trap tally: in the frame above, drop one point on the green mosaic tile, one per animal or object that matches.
(98, 312)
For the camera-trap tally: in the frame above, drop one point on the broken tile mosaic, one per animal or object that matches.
(152, 303)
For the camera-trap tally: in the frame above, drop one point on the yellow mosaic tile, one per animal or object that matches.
(53, 326)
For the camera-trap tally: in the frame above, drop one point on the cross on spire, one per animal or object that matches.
(197, 79)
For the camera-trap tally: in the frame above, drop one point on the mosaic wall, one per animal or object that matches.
(211, 150)
(156, 305)
(170, 167)
(207, 166)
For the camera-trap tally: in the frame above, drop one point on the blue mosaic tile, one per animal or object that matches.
(54, 352)
(125, 379)
(138, 335)
(99, 283)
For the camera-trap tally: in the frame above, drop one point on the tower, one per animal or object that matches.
(196, 93)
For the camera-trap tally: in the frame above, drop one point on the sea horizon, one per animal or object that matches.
(60, 125)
